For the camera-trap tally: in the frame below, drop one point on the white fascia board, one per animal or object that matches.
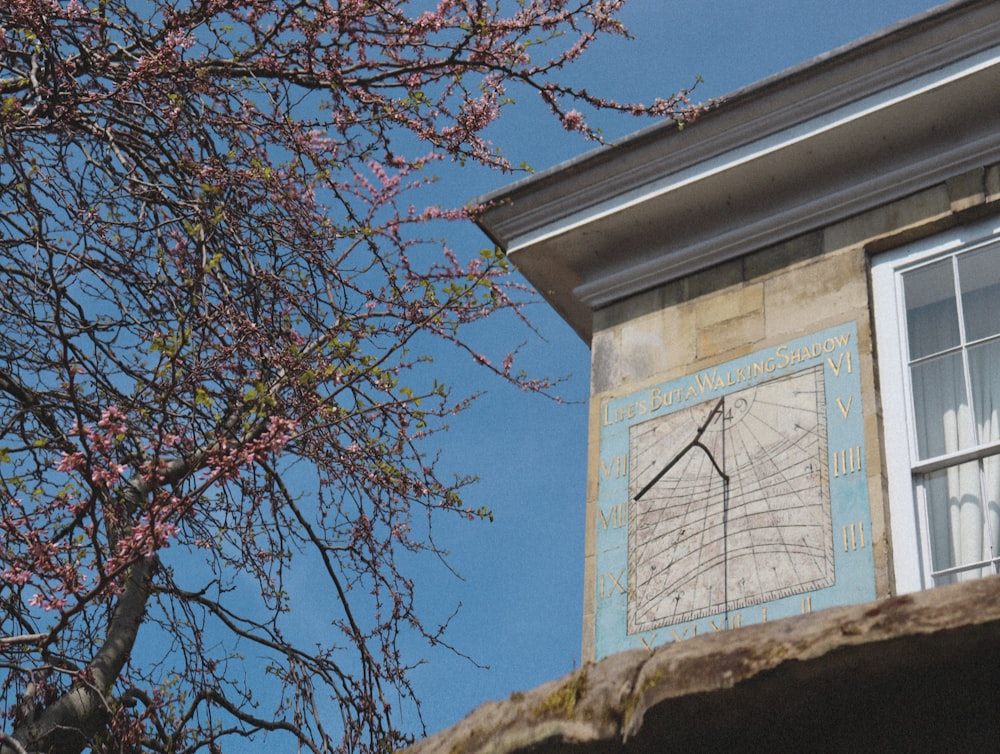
(616, 284)
(857, 128)
(759, 150)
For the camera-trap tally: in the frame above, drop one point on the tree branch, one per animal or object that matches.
(68, 725)
(22, 639)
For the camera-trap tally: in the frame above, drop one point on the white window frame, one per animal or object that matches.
(909, 530)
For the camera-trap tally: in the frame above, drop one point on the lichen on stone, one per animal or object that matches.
(562, 702)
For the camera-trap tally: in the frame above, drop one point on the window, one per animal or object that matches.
(937, 319)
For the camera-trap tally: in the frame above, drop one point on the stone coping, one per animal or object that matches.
(914, 672)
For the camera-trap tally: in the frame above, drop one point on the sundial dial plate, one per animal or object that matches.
(733, 495)
(766, 535)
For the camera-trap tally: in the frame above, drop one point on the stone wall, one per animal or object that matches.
(771, 295)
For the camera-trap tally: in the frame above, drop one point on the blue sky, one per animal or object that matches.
(522, 587)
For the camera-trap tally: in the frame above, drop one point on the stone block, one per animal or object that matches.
(921, 208)
(733, 303)
(808, 297)
(725, 337)
(783, 255)
(967, 190)
(641, 350)
(713, 279)
(991, 182)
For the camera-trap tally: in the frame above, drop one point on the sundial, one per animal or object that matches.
(733, 495)
(737, 516)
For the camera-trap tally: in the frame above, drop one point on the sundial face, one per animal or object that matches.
(701, 543)
(733, 496)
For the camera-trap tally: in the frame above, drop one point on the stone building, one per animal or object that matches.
(793, 310)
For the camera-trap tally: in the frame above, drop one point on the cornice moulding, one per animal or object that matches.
(854, 129)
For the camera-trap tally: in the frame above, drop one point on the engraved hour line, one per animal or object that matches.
(854, 536)
(846, 461)
(700, 459)
(703, 532)
(695, 443)
(692, 508)
(741, 495)
(651, 450)
(804, 442)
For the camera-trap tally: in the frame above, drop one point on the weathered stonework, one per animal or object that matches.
(910, 673)
(796, 287)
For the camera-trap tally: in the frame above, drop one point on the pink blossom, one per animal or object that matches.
(230, 278)
(573, 121)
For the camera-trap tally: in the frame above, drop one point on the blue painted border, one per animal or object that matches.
(837, 350)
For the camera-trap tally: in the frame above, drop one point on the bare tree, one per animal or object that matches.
(216, 313)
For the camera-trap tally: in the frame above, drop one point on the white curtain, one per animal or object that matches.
(985, 368)
(962, 508)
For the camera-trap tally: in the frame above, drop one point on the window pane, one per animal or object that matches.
(991, 488)
(940, 406)
(931, 312)
(955, 515)
(979, 273)
(984, 365)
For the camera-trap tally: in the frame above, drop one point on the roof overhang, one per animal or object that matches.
(862, 126)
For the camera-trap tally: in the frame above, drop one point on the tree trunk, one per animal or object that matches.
(68, 725)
